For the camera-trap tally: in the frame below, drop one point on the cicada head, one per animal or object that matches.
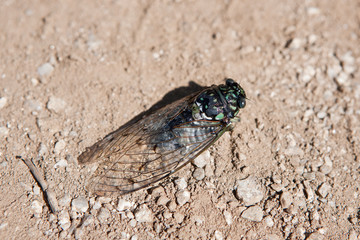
(220, 103)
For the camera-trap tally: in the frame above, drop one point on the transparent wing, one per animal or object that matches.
(148, 150)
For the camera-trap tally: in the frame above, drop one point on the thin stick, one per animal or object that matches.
(50, 197)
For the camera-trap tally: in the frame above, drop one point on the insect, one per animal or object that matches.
(154, 147)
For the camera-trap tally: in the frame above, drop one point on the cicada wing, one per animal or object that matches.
(148, 150)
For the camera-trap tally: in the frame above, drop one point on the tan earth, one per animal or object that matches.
(73, 71)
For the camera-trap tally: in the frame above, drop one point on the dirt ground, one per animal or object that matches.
(73, 71)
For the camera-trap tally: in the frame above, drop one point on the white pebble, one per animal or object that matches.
(3, 225)
(37, 207)
(45, 70)
(181, 183)
(132, 223)
(182, 197)
(199, 174)
(59, 146)
(228, 217)
(324, 189)
(80, 204)
(286, 199)
(103, 215)
(42, 149)
(97, 205)
(218, 235)
(65, 200)
(313, 11)
(64, 220)
(296, 43)
(61, 163)
(248, 191)
(179, 217)
(124, 205)
(202, 160)
(269, 221)
(56, 104)
(254, 213)
(33, 105)
(4, 131)
(163, 200)
(144, 214)
(36, 190)
(321, 115)
(3, 101)
(342, 78)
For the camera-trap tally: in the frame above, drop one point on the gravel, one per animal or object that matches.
(182, 197)
(143, 214)
(45, 70)
(80, 204)
(248, 191)
(254, 213)
(3, 101)
(124, 205)
(56, 104)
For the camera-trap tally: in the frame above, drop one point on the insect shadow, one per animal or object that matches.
(168, 99)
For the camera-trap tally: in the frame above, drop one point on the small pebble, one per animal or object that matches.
(132, 223)
(59, 146)
(3, 101)
(218, 235)
(324, 190)
(88, 219)
(182, 197)
(65, 200)
(296, 43)
(202, 160)
(179, 217)
(315, 236)
(199, 174)
(308, 191)
(3, 225)
(134, 237)
(80, 204)
(103, 215)
(130, 215)
(61, 163)
(97, 205)
(313, 11)
(37, 207)
(56, 104)
(269, 221)
(45, 70)
(42, 150)
(162, 200)
(36, 190)
(180, 183)
(309, 176)
(4, 131)
(64, 220)
(248, 191)
(143, 214)
(167, 215)
(254, 213)
(124, 205)
(228, 217)
(321, 115)
(286, 199)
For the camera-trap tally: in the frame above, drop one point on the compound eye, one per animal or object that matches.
(230, 82)
(241, 102)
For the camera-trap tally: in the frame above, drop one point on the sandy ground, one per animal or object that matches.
(73, 71)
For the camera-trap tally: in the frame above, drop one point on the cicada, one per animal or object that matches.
(156, 146)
